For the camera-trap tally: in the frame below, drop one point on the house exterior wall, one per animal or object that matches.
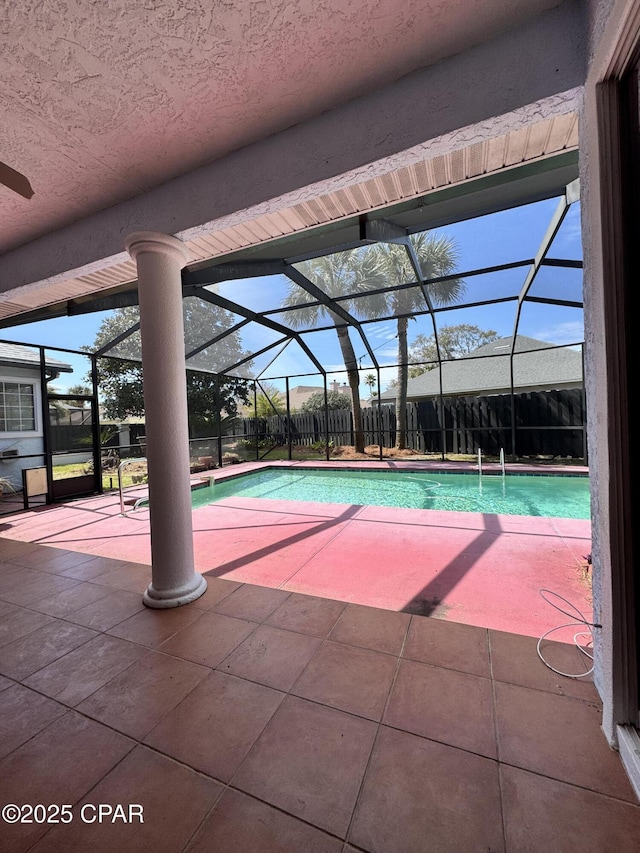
(604, 37)
(25, 443)
(597, 414)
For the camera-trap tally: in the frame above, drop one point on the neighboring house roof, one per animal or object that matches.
(486, 370)
(13, 355)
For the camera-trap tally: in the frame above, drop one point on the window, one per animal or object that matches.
(17, 413)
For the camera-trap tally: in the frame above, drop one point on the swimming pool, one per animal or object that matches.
(548, 496)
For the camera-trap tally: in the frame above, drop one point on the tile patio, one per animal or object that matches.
(268, 720)
(354, 679)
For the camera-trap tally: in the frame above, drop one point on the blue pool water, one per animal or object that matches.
(565, 497)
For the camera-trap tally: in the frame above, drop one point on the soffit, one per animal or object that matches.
(330, 219)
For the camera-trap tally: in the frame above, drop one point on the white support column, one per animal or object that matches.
(159, 259)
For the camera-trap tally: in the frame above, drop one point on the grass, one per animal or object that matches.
(62, 472)
(109, 478)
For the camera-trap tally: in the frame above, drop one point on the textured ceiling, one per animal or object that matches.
(101, 100)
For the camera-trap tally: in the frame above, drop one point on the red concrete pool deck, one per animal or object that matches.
(483, 570)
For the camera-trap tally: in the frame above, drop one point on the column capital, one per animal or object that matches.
(154, 241)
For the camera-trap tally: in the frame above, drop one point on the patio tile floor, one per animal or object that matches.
(270, 724)
(272, 656)
(419, 795)
(444, 705)
(348, 678)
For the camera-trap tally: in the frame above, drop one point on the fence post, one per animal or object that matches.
(443, 431)
(46, 425)
(219, 419)
(255, 418)
(95, 431)
(513, 405)
(583, 408)
(326, 419)
(288, 420)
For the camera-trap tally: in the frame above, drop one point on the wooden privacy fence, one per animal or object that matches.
(305, 428)
(112, 439)
(545, 423)
(73, 437)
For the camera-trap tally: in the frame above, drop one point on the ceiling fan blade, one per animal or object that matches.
(15, 181)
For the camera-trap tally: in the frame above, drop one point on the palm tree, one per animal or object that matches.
(437, 256)
(370, 381)
(340, 274)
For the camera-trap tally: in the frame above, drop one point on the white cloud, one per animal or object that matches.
(388, 352)
(386, 332)
(561, 333)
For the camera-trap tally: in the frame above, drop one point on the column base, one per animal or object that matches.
(162, 598)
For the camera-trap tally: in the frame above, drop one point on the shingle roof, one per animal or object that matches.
(14, 354)
(486, 370)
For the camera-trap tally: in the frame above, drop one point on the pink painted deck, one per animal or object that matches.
(477, 569)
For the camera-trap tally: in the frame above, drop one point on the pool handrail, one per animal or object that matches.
(121, 466)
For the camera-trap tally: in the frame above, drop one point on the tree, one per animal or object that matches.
(120, 381)
(437, 256)
(455, 341)
(269, 401)
(335, 400)
(81, 390)
(340, 274)
(370, 381)
(61, 410)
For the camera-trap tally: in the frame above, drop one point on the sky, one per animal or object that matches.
(497, 238)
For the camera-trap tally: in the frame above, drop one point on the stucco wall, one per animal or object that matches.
(12, 469)
(27, 442)
(595, 382)
(601, 40)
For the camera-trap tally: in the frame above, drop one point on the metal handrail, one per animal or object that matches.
(121, 466)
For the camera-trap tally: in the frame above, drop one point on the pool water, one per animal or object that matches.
(548, 496)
